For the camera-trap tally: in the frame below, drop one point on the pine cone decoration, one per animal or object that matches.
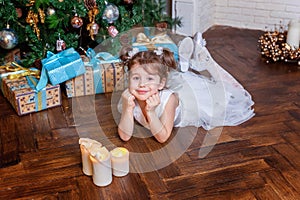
(90, 4)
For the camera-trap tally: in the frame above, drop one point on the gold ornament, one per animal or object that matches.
(32, 19)
(93, 27)
(42, 15)
(92, 13)
(31, 3)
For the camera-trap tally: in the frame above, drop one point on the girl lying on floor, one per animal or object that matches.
(160, 97)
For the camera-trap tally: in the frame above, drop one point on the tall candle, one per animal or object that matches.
(293, 34)
(86, 146)
(120, 161)
(87, 167)
(102, 173)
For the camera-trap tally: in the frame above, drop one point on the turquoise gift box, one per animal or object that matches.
(60, 67)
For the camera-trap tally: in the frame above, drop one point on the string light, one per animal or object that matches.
(273, 47)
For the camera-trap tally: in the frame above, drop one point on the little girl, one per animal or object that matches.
(159, 97)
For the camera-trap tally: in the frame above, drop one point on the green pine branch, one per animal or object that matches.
(140, 13)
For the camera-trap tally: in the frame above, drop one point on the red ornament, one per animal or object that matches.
(112, 30)
(76, 21)
(161, 26)
(60, 44)
(19, 12)
(128, 1)
(124, 39)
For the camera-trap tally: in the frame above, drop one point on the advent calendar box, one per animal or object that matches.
(23, 98)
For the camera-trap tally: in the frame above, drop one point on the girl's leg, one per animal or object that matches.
(185, 51)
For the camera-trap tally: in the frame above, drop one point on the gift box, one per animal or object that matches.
(104, 74)
(145, 41)
(23, 98)
(60, 67)
(11, 56)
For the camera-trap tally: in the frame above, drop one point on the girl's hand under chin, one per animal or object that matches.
(152, 102)
(128, 100)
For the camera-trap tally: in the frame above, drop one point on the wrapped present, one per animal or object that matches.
(60, 67)
(11, 56)
(20, 92)
(104, 74)
(145, 41)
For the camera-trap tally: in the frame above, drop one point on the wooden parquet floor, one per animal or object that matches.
(260, 159)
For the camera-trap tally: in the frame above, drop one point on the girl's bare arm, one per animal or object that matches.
(162, 127)
(126, 124)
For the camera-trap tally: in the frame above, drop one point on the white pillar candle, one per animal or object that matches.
(86, 146)
(87, 167)
(102, 173)
(293, 34)
(120, 161)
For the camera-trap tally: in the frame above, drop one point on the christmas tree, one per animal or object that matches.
(52, 25)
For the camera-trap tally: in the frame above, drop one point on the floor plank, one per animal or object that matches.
(257, 160)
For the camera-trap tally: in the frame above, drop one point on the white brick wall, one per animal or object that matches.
(251, 14)
(197, 15)
(205, 18)
(255, 14)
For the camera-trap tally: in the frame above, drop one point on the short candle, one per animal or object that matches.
(102, 173)
(120, 161)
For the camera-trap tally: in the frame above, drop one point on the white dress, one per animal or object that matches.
(209, 103)
(205, 102)
(164, 97)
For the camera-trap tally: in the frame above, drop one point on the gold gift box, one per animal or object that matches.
(112, 79)
(24, 99)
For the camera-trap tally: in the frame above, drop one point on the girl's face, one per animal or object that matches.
(142, 84)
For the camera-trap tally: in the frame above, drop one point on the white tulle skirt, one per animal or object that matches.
(218, 100)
